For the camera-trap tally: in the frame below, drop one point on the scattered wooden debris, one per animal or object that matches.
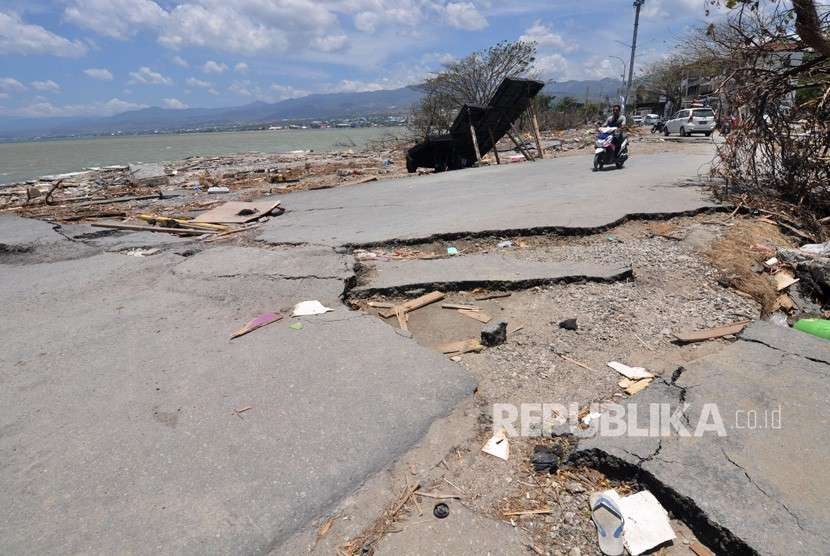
(784, 279)
(688, 336)
(528, 512)
(463, 346)
(136, 228)
(155, 219)
(413, 304)
(476, 315)
(460, 306)
(495, 295)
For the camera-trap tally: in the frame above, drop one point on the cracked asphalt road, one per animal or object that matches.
(547, 194)
(119, 428)
(762, 486)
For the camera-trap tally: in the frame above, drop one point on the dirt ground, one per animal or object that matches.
(674, 287)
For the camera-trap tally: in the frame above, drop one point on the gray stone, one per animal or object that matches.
(494, 333)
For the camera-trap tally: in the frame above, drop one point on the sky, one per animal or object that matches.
(102, 57)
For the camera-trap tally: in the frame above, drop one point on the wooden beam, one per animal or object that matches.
(475, 139)
(520, 147)
(539, 150)
(493, 141)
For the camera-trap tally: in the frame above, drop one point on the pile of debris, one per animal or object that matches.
(174, 188)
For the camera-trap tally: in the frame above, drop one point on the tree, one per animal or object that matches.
(471, 80)
(781, 87)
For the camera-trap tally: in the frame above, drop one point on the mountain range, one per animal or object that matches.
(329, 106)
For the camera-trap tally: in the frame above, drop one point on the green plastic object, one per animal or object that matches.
(816, 327)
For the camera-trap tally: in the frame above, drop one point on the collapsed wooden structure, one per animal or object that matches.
(477, 129)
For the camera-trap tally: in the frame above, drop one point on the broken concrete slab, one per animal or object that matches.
(29, 241)
(549, 195)
(119, 240)
(487, 270)
(189, 474)
(763, 486)
(461, 533)
(150, 175)
(23, 235)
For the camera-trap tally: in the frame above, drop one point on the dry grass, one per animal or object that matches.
(747, 244)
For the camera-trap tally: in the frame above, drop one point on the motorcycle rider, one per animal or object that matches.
(616, 119)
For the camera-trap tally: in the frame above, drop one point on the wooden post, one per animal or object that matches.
(539, 150)
(475, 142)
(493, 140)
(520, 147)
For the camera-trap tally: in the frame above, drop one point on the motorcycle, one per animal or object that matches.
(659, 127)
(605, 151)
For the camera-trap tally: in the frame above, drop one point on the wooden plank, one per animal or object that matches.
(493, 141)
(463, 346)
(784, 280)
(519, 145)
(414, 304)
(638, 386)
(380, 305)
(475, 143)
(401, 314)
(460, 306)
(229, 213)
(539, 150)
(181, 231)
(171, 222)
(476, 315)
(688, 336)
(487, 296)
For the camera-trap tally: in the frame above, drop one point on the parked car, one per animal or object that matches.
(651, 119)
(638, 119)
(691, 120)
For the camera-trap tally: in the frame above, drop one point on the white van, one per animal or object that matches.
(691, 120)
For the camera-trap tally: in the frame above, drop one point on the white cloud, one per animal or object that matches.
(47, 86)
(17, 37)
(356, 86)
(552, 66)
(465, 15)
(217, 68)
(11, 85)
(544, 36)
(102, 74)
(193, 82)
(116, 18)
(47, 109)
(174, 103)
(283, 92)
(241, 88)
(146, 76)
(220, 27)
(241, 67)
(366, 21)
(330, 43)
(181, 62)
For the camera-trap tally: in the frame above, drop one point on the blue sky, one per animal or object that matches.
(100, 57)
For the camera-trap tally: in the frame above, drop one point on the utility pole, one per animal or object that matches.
(637, 5)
